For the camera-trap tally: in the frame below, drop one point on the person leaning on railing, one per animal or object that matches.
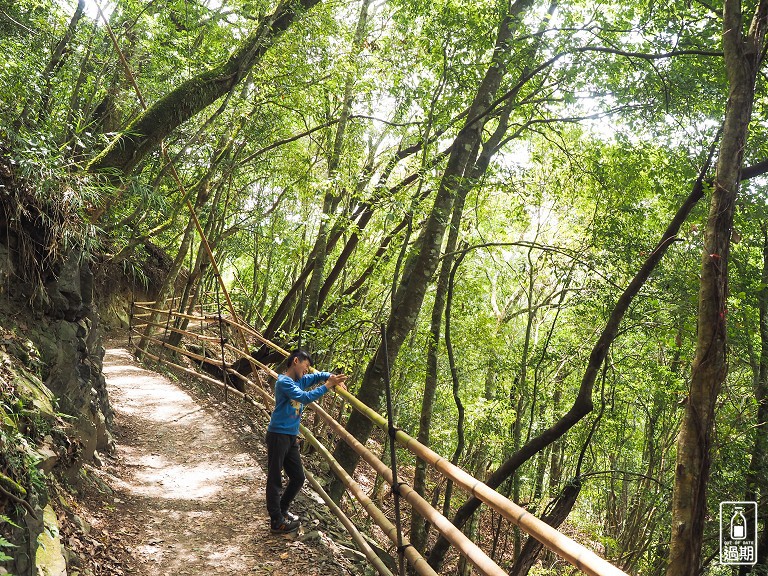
(293, 390)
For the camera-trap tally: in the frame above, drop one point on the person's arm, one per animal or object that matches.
(331, 380)
(294, 390)
(310, 380)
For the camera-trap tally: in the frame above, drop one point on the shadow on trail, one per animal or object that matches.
(195, 497)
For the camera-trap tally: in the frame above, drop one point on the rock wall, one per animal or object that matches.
(51, 349)
(71, 352)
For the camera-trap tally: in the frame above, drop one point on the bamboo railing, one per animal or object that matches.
(206, 333)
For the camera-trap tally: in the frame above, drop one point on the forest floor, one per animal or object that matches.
(185, 487)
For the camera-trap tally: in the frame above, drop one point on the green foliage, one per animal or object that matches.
(6, 546)
(603, 144)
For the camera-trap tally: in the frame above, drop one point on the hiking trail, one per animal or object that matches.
(188, 486)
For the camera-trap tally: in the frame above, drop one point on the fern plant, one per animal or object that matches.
(5, 545)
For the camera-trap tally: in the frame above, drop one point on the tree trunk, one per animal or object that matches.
(167, 288)
(689, 505)
(419, 527)
(362, 216)
(460, 435)
(556, 454)
(560, 509)
(333, 196)
(423, 259)
(351, 243)
(146, 132)
(430, 384)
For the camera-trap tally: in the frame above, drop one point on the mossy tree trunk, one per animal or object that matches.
(146, 132)
(742, 54)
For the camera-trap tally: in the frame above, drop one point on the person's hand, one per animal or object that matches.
(336, 380)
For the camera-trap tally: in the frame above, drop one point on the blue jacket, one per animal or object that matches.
(291, 397)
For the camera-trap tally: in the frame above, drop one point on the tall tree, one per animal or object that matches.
(743, 52)
(423, 259)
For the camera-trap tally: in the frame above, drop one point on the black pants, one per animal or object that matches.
(282, 454)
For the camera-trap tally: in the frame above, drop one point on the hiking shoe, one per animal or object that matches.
(290, 517)
(285, 527)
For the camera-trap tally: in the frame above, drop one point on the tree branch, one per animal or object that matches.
(755, 170)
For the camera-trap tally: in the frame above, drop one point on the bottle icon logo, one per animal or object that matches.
(738, 524)
(738, 533)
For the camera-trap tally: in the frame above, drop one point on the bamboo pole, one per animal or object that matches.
(369, 552)
(253, 360)
(211, 318)
(256, 334)
(157, 310)
(213, 361)
(207, 359)
(463, 544)
(185, 369)
(416, 560)
(581, 557)
(180, 331)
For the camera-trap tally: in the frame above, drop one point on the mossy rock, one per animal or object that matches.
(49, 557)
(31, 387)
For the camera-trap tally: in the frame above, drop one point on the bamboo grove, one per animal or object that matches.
(556, 209)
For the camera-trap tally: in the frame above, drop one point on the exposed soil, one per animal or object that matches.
(187, 484)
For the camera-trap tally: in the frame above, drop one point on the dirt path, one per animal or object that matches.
(188, 493)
